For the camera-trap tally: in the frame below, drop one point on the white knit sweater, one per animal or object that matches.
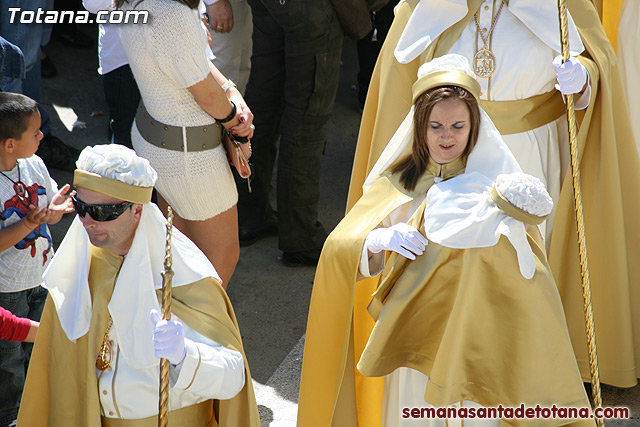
(167, 56)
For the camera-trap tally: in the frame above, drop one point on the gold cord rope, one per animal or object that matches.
(167, 277)
(577, 192)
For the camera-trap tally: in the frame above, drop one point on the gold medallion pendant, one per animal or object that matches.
(105, 355)
(484, 63)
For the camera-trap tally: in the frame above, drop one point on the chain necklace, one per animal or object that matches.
(105, 356)
(484, 61)
(18, 186)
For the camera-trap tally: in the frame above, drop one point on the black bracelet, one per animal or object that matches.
(230, 117)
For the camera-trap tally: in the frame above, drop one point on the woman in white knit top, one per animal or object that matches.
(181, 88)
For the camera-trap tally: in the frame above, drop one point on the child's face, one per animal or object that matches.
(29, 141)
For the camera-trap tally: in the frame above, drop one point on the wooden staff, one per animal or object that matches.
(167, 277)
(582, 239)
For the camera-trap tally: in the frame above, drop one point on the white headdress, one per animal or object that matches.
(117, 171)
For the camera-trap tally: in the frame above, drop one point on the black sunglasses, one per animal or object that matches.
(100, 212)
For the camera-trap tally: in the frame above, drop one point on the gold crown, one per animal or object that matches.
(111, 187)
(446, 78)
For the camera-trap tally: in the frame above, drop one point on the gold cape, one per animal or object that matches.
(334, 393)
(61, 388)
(610, 169)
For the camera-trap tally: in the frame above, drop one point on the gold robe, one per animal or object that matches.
(61, 388)
(464, 359)
(610, 169)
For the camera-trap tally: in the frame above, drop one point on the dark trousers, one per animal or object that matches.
(295, 68)
(122, 96)
(369, 48)
(14, 356)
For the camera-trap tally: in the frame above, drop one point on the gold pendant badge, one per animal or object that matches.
(484, 63)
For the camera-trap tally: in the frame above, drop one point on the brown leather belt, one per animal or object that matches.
(199, 138)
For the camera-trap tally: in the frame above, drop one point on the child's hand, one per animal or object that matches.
(37, 216)
(61, 203)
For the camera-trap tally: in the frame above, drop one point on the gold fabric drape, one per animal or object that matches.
(474, 305)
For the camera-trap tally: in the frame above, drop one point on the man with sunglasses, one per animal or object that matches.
(96, 333)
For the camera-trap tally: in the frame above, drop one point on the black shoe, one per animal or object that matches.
(47, 69)
(301, 259)
(250, 235)
(75, 39)
(56, 154)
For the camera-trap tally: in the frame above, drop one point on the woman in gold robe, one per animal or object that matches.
(469, 315)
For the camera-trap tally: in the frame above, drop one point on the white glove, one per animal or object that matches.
(401, 238)
(572, 76)
(168, 339)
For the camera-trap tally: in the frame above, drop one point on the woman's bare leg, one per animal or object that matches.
(217, 237)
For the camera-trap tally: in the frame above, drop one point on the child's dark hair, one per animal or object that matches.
(412, 166)
(15, 111)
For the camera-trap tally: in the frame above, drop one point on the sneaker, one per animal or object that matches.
(301, 259)
(56, 154)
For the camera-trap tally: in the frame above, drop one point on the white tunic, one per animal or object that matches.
(525, 40)
(208, 371)
(523, 70)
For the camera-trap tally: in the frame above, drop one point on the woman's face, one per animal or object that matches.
(448, 130)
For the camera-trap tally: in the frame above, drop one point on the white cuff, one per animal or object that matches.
(582, 102)
(371, 267)
(210, 2)
(181, 376)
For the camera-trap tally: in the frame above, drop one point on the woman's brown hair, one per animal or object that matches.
(412, 166)
(192, 4)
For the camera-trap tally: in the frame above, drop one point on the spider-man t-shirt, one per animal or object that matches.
(22, 265)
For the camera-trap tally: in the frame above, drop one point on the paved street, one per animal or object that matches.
(270, 300)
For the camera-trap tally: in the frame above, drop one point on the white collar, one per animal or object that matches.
(431, 18)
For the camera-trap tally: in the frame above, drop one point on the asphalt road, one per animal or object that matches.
(270, 300)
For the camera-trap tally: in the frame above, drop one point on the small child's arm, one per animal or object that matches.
(16, 328)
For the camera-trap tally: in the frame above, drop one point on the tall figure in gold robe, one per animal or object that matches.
(96, 357)
(466, 310)
(521, 100)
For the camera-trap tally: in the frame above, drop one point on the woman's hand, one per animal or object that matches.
(245, 126)
(401, 238)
